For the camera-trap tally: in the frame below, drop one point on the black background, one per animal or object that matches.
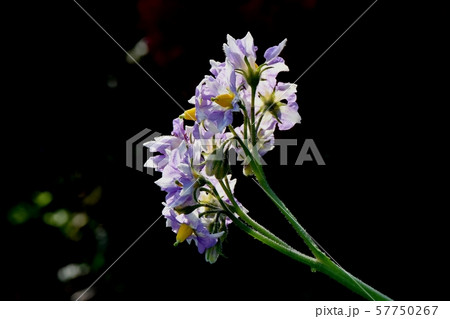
(370, 105)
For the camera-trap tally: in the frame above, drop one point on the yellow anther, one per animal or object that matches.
(184, 232)
(189, 114)
(178, 183)
(224, 100)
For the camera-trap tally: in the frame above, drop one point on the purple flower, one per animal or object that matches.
(216, 98)
(179, 178)
(191, 159)
(162, 144)
(204, 224)
(191, 227)
(279, 103)
(165, 144)
(206, 142)
(237, 50)
(216, 67)
(265, 139)
(241, 54)
(275, 64)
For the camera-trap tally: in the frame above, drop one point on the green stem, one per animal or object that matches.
(329, 268)
(290, 217)
(288, 251)
(326, 266)
(247, 151)
(246, 218)
(245, 125)
(259, 121)
(252, 114)
(323, 263)
(292, 253)
(259, 174)
(351, 282)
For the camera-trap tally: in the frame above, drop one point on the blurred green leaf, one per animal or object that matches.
(98, 262)
(21, 213)
(43, 199)
(57, 219)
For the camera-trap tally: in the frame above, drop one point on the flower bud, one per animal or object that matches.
(186, 209)
(248, 171)
(212, 254)
(217, 164)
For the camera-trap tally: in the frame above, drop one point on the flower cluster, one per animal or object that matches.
(240, 101)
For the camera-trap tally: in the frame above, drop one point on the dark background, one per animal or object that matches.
(370, 105)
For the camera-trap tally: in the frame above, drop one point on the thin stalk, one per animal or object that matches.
(351, 282)
(252, 114)
(259, 121)
(259, 174)
(245, 125)
(246, 151)
(329, 268)
(246, 218)
(324, 264)
(290, 252)
(290, 217)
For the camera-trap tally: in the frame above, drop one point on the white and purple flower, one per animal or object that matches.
(279, 103)
(165, 144)
(191, 227)
(193, 172)
(216, 98)
(241, 54)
